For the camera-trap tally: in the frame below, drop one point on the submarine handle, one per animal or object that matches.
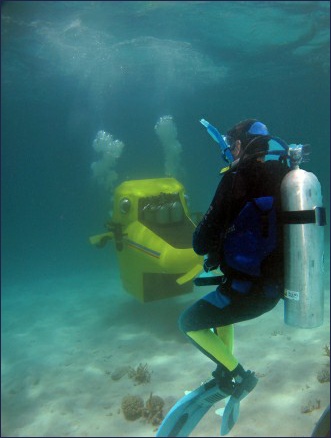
(114, 233)
(100, 240)
(116, 230)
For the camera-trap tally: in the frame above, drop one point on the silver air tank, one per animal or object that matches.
(304, 220)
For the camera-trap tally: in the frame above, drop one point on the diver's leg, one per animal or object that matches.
(226, 333)
(203, 316)
(214, 345)
(218, 310)
(196, 323)
(213, 310)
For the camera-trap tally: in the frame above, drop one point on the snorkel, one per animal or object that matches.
(277, 148)
(220, 139)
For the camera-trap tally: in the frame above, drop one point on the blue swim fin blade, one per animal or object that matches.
(230, 415)
(190, 409)
(231, 411)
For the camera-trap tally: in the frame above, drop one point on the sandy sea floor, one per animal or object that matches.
(64, 338)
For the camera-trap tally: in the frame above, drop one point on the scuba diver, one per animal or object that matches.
(265, 218)
(240, 233)
(241, 295)
(247, 289)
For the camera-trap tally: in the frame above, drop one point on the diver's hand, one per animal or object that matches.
(211, 262)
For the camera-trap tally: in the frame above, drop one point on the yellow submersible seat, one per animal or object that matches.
(152, 232)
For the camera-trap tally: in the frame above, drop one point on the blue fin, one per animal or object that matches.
(231, 411)
(189, 410)
(230, 415)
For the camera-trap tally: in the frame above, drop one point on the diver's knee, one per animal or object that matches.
(185, 321)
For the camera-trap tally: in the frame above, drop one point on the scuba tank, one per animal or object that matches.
(304, 220)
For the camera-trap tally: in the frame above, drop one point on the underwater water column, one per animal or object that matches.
(109, 151)
(166, 130)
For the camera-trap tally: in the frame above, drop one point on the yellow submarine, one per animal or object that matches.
(152, 232)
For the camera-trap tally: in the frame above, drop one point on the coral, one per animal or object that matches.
(141, 374)
(166, 130)
(311, 406)
(326, 349)
(277, 332)
(323, 375)
(153, 410)
(132, 407)
(119, 372)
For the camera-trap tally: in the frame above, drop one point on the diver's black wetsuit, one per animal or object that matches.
(231, 303)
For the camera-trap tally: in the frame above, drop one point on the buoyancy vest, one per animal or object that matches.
(252, 236)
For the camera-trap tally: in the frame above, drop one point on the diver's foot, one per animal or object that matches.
(238, 382)
(245, 386)
(224, 379)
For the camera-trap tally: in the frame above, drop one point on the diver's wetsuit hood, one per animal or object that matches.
(246, 131)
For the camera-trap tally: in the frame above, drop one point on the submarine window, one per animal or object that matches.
(125, 205)
(164, 215)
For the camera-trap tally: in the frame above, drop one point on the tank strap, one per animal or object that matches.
(316, 216)
(208, 281)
